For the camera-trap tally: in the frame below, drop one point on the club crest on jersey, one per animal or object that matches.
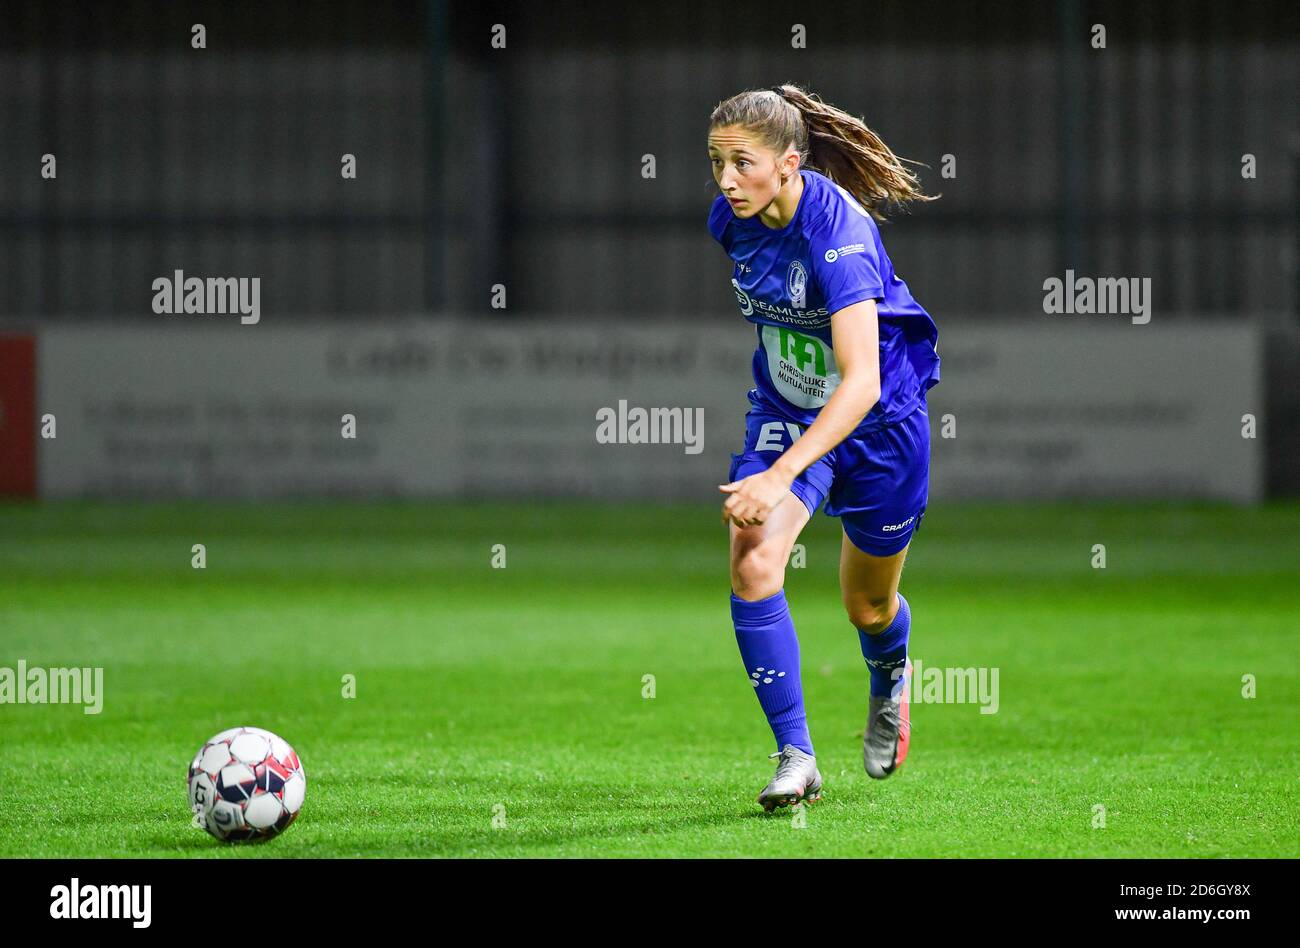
(796, 284)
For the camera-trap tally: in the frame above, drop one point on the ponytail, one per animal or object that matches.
(828, 140)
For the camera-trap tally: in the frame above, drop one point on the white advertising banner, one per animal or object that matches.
(1099, 410)
(529, 408)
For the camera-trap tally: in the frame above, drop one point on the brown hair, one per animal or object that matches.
(828, 140)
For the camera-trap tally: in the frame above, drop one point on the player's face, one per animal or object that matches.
(745, 169)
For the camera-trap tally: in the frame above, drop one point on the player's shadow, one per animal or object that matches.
(533, 815)
(589, 812)
(199, 842)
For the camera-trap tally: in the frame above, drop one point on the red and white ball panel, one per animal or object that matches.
(250, 748)
(213, 757)
(263, 811)
(295, 789)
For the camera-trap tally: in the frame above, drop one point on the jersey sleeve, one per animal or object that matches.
(845, 264)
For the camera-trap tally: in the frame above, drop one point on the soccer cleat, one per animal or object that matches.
(796, 781)
(888, 731)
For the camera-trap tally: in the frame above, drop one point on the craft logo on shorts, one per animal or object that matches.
(836, 252)
(796, 283)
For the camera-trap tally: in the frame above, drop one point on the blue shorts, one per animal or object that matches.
(878, 485)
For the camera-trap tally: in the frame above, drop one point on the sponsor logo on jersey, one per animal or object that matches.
(891, 528)
(752, 305)
(807, 352)
(802, 368)
(836, 252)
(746, 304)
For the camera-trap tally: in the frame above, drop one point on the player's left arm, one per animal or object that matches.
(855, 339)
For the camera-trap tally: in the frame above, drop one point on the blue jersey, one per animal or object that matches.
(788, 283)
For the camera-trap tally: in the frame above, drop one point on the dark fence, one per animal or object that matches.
(522, 166)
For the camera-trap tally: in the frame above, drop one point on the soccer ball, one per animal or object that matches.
(246, 783)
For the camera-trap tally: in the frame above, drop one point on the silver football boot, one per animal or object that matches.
(797, 780)
(889, 730)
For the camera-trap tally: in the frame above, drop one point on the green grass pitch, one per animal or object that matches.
(517, 693)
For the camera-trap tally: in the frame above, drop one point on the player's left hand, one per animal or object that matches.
(754, 498)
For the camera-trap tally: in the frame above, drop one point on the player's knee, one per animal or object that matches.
(871, 614)
(757, 571)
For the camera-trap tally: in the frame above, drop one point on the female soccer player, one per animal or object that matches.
(845, 357)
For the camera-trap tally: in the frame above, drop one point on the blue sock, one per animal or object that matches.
(770, 649)
(886, 652)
